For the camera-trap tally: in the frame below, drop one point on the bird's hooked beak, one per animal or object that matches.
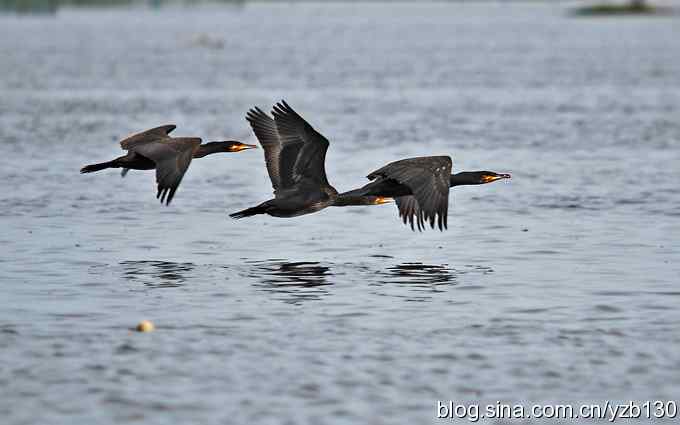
(382, 200)
(492, 178)
(241, 147)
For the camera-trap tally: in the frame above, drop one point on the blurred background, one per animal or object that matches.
(558, 286)
(51, 6)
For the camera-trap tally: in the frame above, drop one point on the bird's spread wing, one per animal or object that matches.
(265, 130)
(279, 155)
(287, 158)
(172, 157)
(161, 132)
(428, 178)
(293, 129)
(410, 211)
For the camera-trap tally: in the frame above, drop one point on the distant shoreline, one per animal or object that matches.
(618, 9)
(606, 8)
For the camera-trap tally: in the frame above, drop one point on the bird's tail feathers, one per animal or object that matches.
(248, 212)
(97, 167)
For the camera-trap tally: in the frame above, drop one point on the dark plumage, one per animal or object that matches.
(294, 154)
(420, 187)
(169, 156)
(348, 201)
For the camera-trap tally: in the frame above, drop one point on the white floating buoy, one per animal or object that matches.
(145, 326)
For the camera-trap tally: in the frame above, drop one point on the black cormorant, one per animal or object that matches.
(169, 156)
(420, 187)
(295, 154)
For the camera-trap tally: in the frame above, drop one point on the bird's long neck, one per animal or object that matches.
(348, 200)
(209, 148)
(463, 178)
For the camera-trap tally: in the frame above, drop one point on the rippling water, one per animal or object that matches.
(560, 285)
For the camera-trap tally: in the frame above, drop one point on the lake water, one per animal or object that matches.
(560, 285)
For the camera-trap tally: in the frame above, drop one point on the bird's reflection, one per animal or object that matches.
(297, 281)
(422, 282)
(419, 274)
(156, 274)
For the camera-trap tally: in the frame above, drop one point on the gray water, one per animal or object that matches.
(560, 285)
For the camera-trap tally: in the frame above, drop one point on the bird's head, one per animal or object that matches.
(235, 146)
(379, 200)
(490, 176)
(476, 177)
(219, 147)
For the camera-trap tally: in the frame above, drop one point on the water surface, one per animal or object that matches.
(558, 286)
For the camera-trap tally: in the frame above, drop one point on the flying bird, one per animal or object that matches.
(295, 156)
(169, 156)
(420, 188)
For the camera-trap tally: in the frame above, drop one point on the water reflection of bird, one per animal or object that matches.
(169, 156)
(294, 274)
(418, 273)
(295, 156)
(296, 282)
(420, 187)
(157, 274)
